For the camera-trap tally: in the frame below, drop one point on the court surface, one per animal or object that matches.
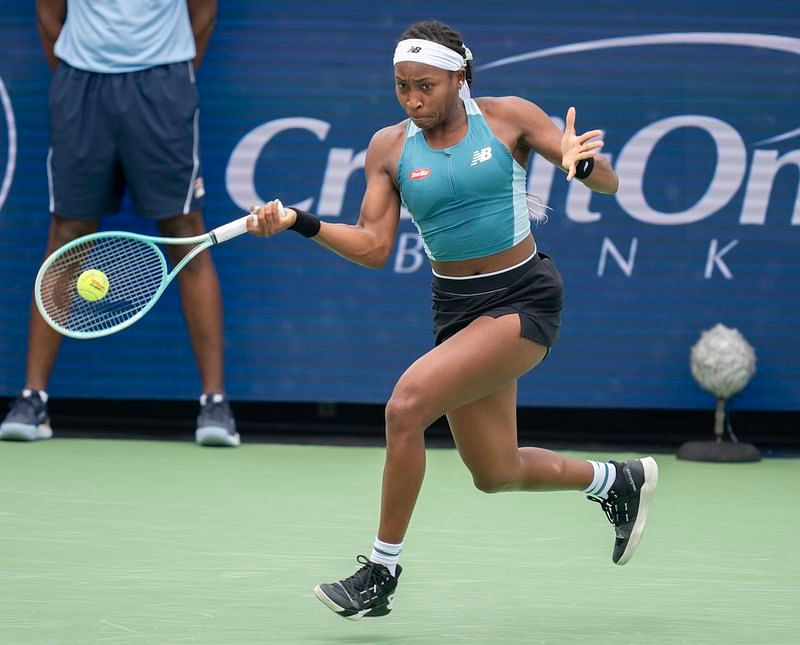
(163, 542)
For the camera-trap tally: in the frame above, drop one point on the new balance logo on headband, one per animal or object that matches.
(479, 156)
(419, 50)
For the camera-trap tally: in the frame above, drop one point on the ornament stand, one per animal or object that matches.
(719, 450)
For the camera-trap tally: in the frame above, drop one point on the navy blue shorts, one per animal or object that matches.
(111, 131)
(534, 290)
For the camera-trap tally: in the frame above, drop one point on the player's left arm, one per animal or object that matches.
(565, 149)
(203, 16)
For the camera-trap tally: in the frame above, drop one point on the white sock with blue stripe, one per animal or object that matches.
(386, 554)
(604, 476)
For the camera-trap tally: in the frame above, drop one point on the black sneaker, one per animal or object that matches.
(369, 592)
(215, 423)
(628, 503)
(28, 419)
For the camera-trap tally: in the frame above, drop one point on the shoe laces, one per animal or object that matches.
(616, 510)
(368, 575)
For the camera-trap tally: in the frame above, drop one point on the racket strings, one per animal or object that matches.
(135, 270)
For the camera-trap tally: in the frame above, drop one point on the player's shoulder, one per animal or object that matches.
(389, 136)
(512, 111)
(504, 105)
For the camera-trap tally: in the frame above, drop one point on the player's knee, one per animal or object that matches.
(399, 413)
(404, 412)
(492, 483)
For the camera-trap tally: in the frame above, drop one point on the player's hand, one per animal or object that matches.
(270, 219)
(574, 147)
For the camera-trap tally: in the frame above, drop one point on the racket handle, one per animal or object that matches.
(230, 230)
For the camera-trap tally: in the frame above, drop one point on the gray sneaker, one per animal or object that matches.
(215, 423)
(28, 419)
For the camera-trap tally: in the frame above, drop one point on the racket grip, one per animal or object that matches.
(230, 230)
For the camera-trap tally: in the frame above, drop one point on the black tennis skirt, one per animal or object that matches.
(534, 290)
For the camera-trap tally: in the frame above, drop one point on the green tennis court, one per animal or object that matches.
(162, 542)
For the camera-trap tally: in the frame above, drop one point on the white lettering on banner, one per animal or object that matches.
(715, 259)
(341, 165)
(728, 175)
(409, 246)
(578, 199)
(410, 256)
(11, 155)
(608, 247)
(630, 166)
(766, 164)
(241, 170)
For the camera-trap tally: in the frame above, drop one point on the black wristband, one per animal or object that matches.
(584, 168)
(306, 224)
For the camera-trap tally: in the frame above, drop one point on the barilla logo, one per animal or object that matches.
(419, 173)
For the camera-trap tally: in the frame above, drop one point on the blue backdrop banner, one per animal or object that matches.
(698, 102)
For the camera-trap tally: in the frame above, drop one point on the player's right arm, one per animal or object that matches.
(50, 16)
(369, 241)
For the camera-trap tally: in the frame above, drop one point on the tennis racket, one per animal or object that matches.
(137, 275)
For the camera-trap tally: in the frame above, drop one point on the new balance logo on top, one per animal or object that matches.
(479, 156)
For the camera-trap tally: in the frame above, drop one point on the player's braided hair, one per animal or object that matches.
(438, 32)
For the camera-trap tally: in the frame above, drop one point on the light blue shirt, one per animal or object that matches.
(116, 36)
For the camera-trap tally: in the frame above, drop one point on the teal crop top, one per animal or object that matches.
(468, 200)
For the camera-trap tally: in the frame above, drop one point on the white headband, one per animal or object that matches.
(417, 50)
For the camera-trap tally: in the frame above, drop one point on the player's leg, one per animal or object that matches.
(159, 150)
(85, 183)
(475, 363)
(485, 432)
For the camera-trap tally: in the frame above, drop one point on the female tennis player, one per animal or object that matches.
(459, 165)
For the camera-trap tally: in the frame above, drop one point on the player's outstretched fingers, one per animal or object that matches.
(591, 134)
(570, 121)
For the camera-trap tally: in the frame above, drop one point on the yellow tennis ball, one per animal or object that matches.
(92, 285)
